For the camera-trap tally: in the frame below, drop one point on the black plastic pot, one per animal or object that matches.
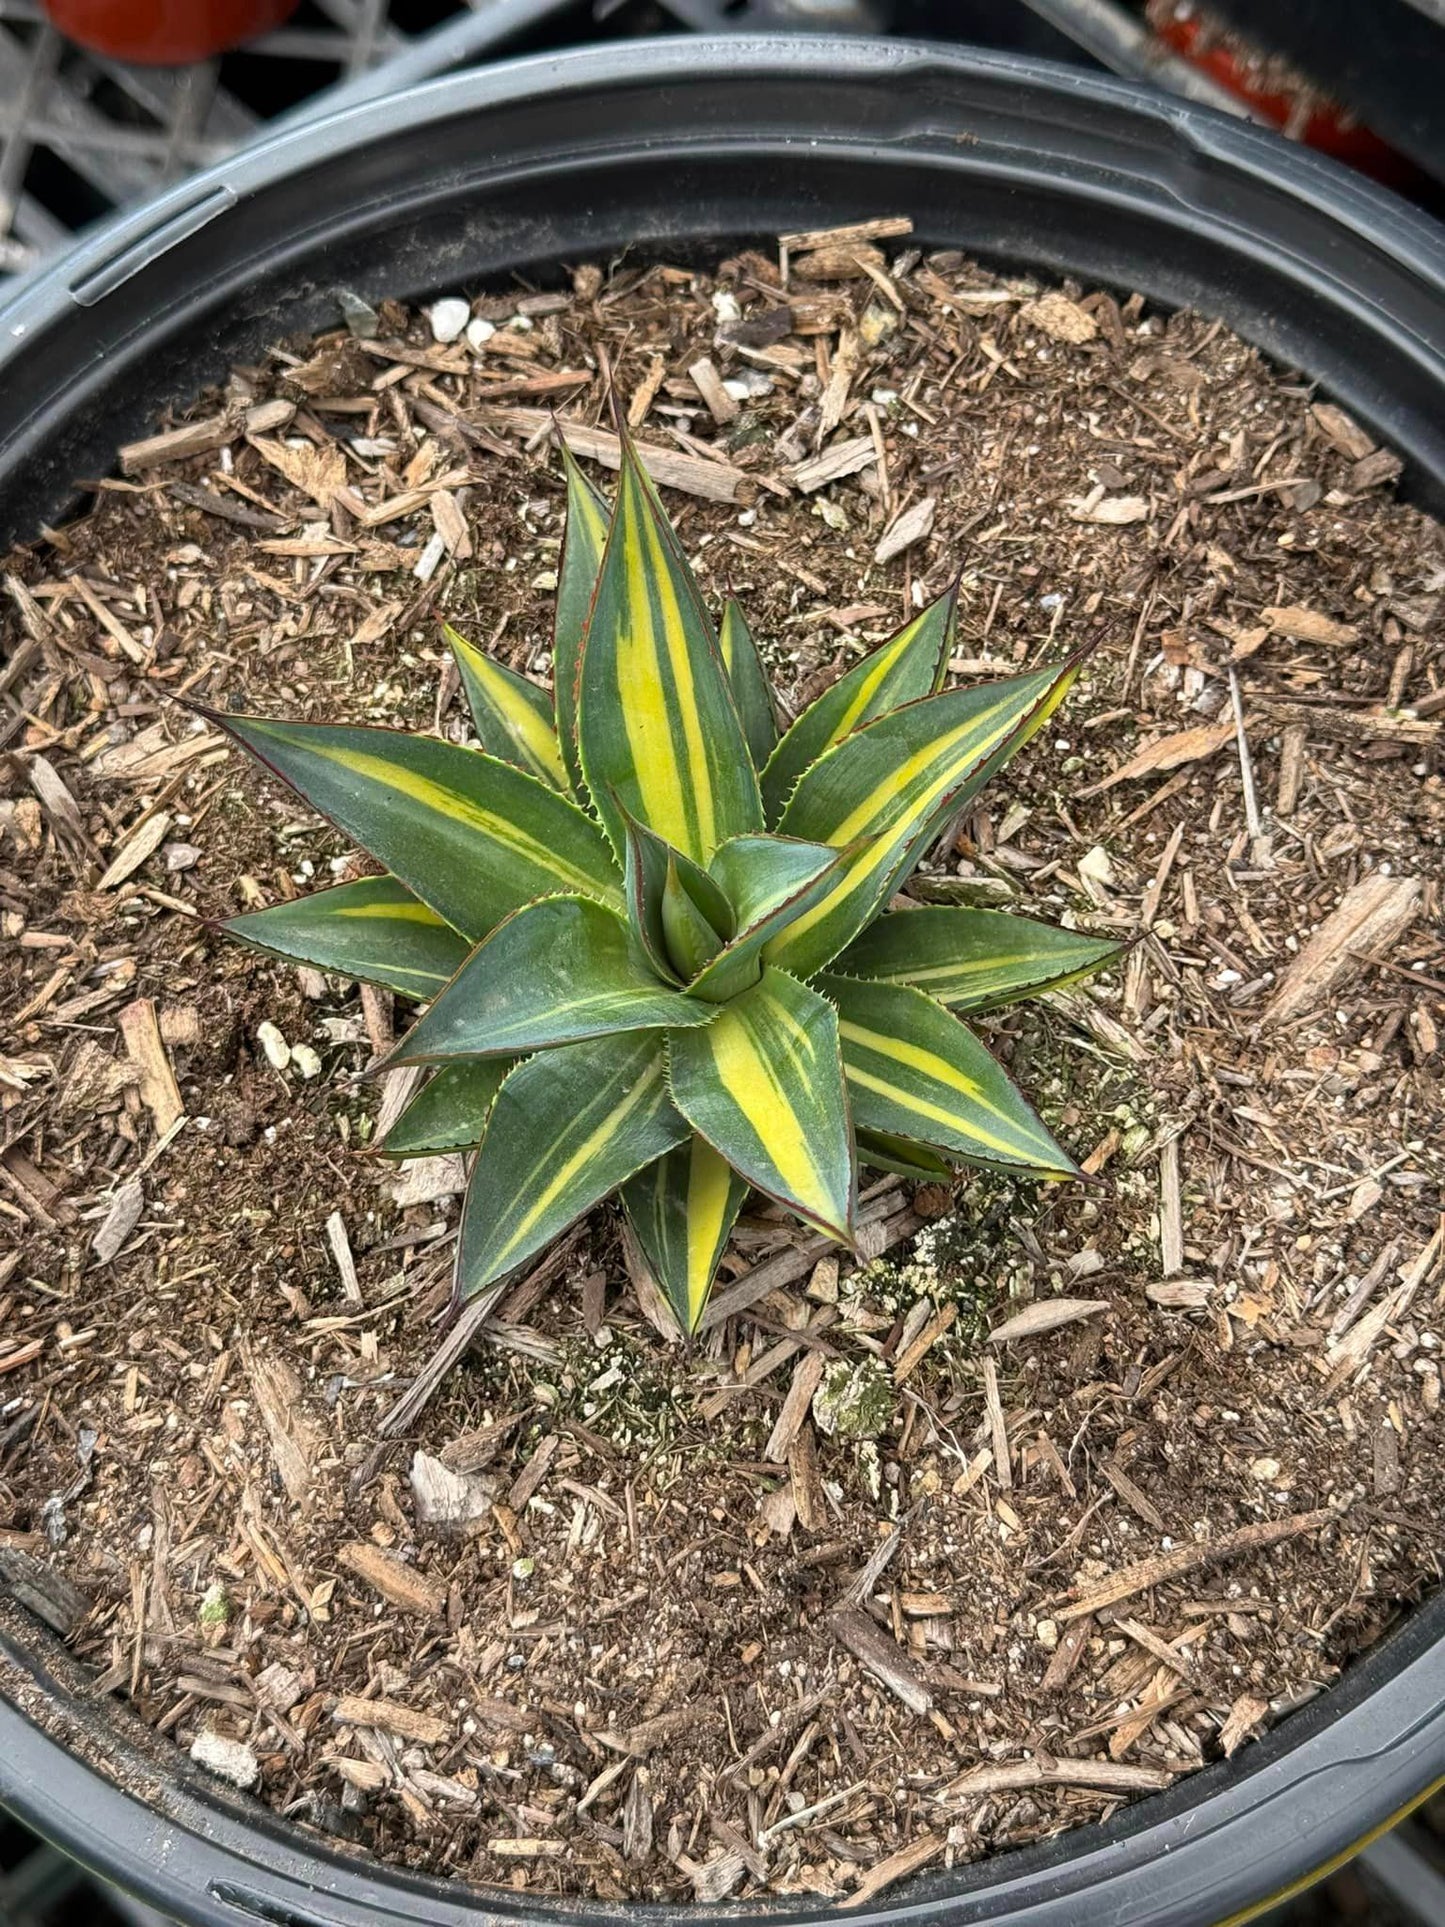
(680, 146)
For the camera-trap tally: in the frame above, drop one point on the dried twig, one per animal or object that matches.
(858, 1589)
(993, 1410)
(898, 1866)
(806, 1379)
(1259, 842)
(402, 1585)
(390, 1717)
(689, 474)
(1106, 1776)
(1173, 1565)
(341, 1251)
(1046, 1316)
(1372, 916)
(1171, 1210)
(158, 1089)
(883, 1657)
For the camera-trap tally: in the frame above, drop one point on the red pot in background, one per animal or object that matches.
(166, 33)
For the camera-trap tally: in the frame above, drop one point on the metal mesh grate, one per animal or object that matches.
(82, 135)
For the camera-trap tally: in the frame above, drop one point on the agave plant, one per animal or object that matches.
(654, 935)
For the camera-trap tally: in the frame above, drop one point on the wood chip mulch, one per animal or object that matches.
(589, 1613)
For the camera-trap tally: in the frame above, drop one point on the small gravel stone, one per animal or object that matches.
(360, 317)
(480, 332)
(278, 1051)
(227, 1759)
(448, 318)
(306, 1060)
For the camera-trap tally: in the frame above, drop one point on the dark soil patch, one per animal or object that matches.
(676, 1653)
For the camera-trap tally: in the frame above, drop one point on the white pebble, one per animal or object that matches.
(227, 1759)
(306, 1061)
(480, 332)
(278, 1051)
(431, 555)
(747, 384)
(449, 317)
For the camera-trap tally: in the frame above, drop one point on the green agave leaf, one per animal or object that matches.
(973, 959)
(759, 873)
(551, 973)
(905, 1155)
(583, 540)
(889, 786)
(691, 937)
(748, 681)
(512, 717)
(449, 1112)
(763, 1083)
(769, 880)
(915, 1070)
(567, 1127)
(650, 861)
(657, 732)
(909, 665)
(682, 1209)
(473, 836)
(375, 930)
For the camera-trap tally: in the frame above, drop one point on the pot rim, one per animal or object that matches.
(1328, 1775)
(125, 242)
(1239, 1835)
(1286, 246)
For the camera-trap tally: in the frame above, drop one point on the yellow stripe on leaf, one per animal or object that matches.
(763, 1084)
(972, 959)
(658, 733)
(888, 788)
(928, 774)
(471, 835)
(682, 1210)
(748, 681)
(915, 1070)
(909, 665)
(374, 930)
(513, 717)
(567, 1127)
(583, 541)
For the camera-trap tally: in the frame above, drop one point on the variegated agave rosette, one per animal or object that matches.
(652, 933)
